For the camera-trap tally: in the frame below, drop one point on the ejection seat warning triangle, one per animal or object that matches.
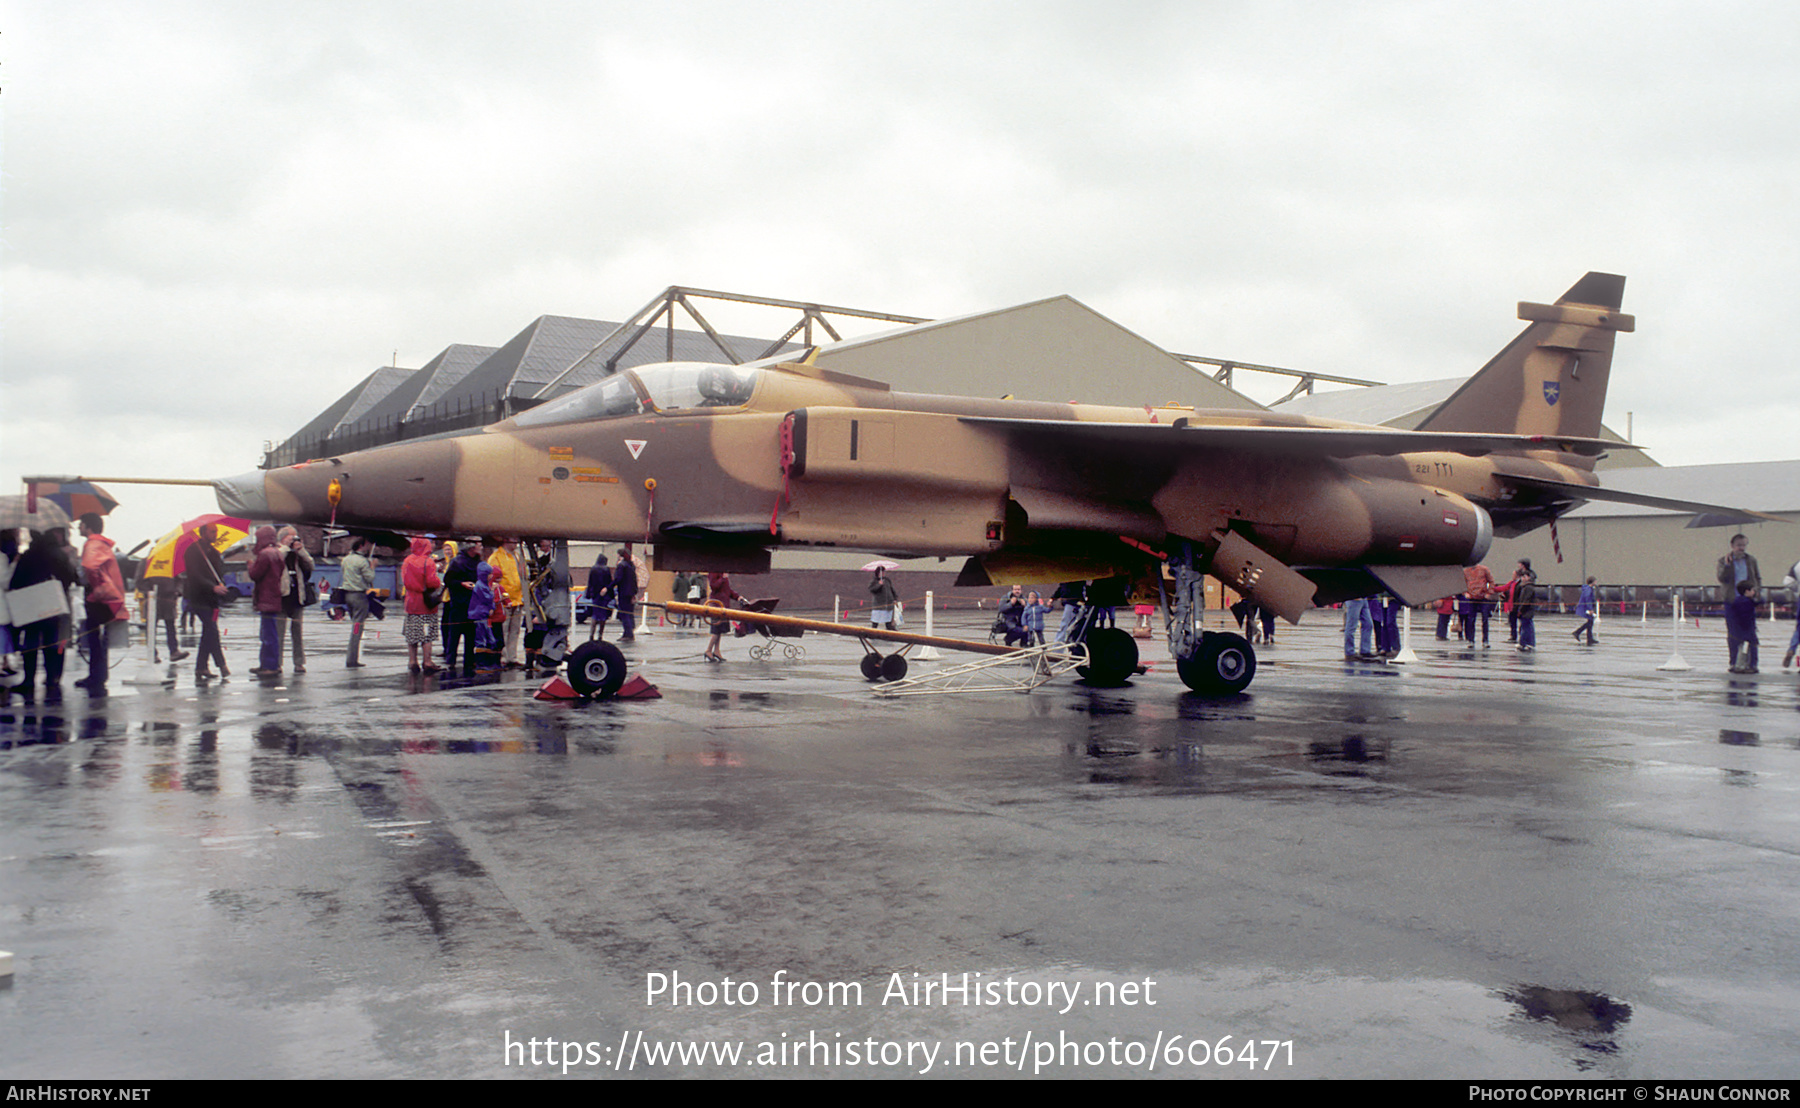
(636, 446)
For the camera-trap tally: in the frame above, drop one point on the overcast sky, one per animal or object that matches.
(219, 216)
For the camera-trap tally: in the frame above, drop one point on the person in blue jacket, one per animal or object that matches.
(1587, 607)
(1035, 609)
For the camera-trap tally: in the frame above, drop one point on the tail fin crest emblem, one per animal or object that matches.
(1551, 379)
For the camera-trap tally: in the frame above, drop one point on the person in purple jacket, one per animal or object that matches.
(481, 608)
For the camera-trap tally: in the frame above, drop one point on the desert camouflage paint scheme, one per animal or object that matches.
(718, 464)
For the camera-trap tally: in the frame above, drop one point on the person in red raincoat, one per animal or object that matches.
(105, 598)
(418, 573)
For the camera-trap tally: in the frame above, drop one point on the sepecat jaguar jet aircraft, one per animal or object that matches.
(717, 465)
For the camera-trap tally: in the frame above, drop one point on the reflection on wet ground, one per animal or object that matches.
(1590, 1017)
(379, 874)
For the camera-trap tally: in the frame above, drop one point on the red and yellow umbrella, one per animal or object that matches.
(165, 557)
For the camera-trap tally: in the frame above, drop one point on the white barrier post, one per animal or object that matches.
(145, 670)
(1676, 662)
(928, 652)
(1406, 654)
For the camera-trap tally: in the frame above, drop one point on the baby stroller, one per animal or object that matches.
(767, 646)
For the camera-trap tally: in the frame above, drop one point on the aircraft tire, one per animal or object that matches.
(893, 667)
(1112, 657)
(871, 666)
(1224, 665)
(597, 669)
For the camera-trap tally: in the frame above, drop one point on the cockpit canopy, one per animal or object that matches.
(671, 387)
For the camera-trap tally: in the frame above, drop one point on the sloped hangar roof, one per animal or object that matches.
(1057, 349)
(391, 393)
(433, 379)
(353, 405)
(379, 385)
(529, 360)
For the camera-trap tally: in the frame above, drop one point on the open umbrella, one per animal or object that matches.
(47, 515)
(880, 563)
(75, 497)
(164, 559)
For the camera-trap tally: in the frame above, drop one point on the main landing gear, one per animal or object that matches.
(1212, 663)
(1222, 665)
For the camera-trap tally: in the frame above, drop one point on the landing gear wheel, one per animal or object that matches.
(1223, 666)
(893, 667)
(1112, 657)
(871, 666)
(597, 669)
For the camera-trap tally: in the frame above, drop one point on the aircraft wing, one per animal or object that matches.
(1707, 515)
(1324, 442)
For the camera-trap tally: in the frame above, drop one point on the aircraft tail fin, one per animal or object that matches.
(1551, 380)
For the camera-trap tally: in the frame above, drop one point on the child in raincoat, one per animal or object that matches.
(481, 608)
(1035, 609)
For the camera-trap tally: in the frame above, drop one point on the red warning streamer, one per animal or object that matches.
(787, 462)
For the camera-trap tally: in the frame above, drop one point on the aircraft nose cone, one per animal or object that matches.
(243, 496)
